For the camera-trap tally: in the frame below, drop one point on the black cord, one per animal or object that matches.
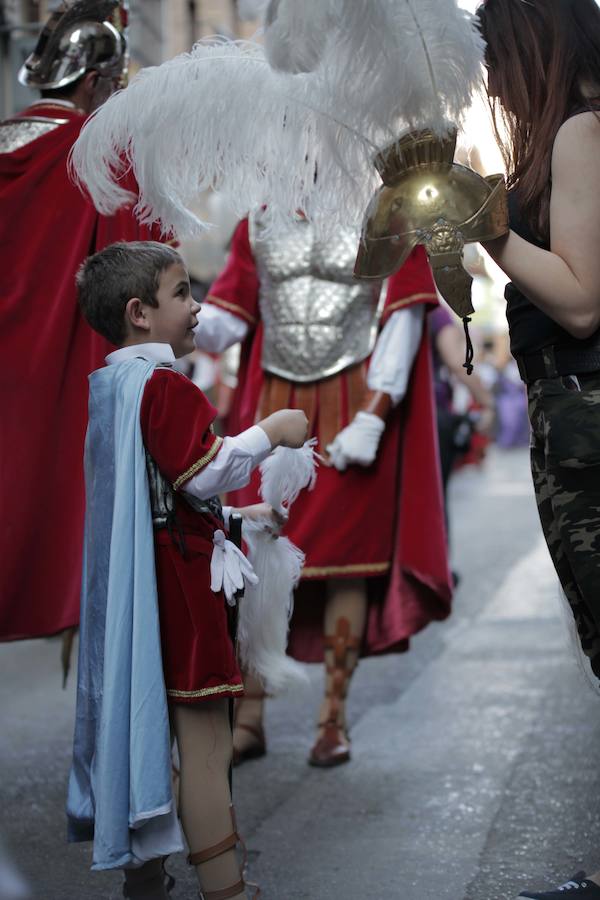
(468, 363)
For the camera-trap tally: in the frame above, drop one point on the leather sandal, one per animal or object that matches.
(228, 843)
(256, 748)
(133, 892)
(332, 748)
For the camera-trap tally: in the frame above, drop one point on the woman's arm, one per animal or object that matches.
(564, 282)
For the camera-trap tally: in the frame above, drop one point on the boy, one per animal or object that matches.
(155, 646)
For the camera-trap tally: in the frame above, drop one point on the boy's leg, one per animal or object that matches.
(345, 618)
(204, 740)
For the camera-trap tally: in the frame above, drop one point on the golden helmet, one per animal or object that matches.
(427, 198)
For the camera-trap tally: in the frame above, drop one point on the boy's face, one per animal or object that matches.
(173, 320)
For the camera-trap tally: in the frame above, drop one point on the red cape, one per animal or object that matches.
(47, 229)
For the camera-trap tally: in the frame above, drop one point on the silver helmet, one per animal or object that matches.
(75, 39)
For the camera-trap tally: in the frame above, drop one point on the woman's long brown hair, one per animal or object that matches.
(540, 54)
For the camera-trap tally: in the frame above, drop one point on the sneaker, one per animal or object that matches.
(577, 887)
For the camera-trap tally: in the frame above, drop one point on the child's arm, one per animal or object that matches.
(176, 421)
(232, 466)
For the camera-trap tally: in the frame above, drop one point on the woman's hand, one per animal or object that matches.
(274, 520)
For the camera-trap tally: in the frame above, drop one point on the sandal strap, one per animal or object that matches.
(202, 856)
(225, 893)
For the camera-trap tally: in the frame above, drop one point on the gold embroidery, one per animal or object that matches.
(232, 307)
(199, 464)
(207, 692)
(355, 568)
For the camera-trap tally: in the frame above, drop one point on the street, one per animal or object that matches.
(475, 755)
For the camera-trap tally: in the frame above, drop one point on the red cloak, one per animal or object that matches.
(385, 522)
(47, 229)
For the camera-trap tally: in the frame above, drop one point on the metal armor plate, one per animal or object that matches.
(318, 320)
(17, 133)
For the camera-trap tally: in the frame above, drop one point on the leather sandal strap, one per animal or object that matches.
(225, 893)
(202, 856)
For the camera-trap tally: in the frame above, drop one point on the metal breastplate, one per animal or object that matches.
(17, 133)
(318, 320)
(162, 498)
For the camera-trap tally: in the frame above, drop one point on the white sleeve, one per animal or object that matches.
(232, 466)
(218, 329)
(395, 351)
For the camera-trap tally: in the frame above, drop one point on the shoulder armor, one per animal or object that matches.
(17, 133)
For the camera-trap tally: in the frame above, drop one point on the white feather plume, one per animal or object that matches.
(221, 117)
(266, 608)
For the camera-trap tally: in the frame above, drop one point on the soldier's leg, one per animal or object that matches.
(249, 740)
(345, 618)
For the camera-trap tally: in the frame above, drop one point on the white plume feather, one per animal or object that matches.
(266, 608)
(220, 117)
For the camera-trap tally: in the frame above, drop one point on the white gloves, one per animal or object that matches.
(228, 568)
(358, 442)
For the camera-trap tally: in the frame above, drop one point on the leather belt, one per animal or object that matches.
(555, 360)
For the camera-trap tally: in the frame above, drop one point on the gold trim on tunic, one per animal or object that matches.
(199, 464)
(207, 692)
(230, 307)
(354, 569)
(403, 301)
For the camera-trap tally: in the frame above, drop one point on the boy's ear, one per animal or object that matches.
(136, 314)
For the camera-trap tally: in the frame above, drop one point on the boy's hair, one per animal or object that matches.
(109, 279)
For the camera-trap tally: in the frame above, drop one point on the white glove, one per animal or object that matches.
(228, 568)
(358, 442)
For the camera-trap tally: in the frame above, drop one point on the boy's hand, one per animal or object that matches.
(274, 521)
(286, 428)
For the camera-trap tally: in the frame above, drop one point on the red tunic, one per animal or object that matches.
(198, 655)
(385, 522)
(47, 229)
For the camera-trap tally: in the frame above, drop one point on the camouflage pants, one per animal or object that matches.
(565, 463)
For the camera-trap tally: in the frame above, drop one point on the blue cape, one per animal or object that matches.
(120, 790)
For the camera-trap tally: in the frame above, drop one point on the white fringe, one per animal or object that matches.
(267, 607)
(221, 117)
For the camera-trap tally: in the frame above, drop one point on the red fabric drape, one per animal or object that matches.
(47, 229)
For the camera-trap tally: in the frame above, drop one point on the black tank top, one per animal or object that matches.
(531, 329)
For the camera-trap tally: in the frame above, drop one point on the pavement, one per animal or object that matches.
(475, 756)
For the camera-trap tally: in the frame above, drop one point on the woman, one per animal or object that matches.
(543, 59)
